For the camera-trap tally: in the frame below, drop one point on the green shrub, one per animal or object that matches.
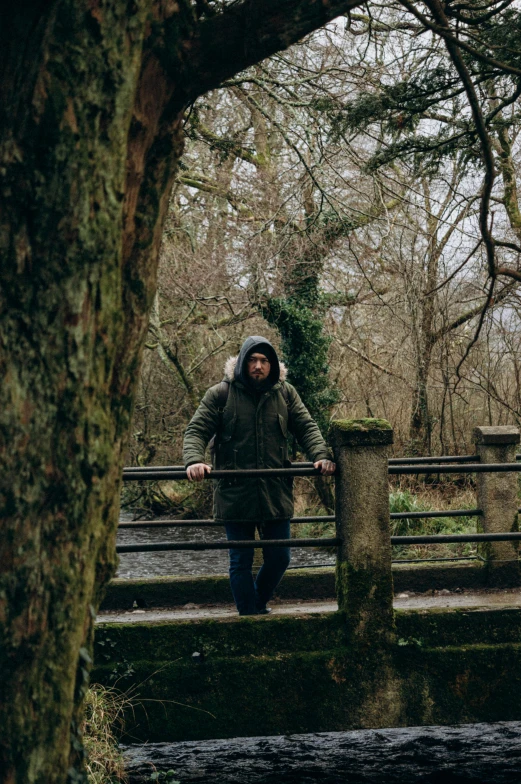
(401, 501)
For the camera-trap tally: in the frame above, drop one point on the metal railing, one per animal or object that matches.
(392, 461)
(235, 473)
(178, 472)
(442, 459)
(510, 536)
(181, 468)
(314, 542)
(159, 474)
(227, 544)
(464, 468)
(397, 466)
(208, 523)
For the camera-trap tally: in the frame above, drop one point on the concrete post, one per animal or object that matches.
(497, 497)
(363, 573)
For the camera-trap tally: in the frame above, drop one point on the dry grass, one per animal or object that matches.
(104, 709)
(414, 496)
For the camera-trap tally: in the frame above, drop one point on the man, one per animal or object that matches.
(260, 409)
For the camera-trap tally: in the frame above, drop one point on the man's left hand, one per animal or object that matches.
(326, 467)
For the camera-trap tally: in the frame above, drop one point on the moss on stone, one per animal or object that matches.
(215, 589)
(223, 637)
(364, 425)
(436, 576)
(253, 695)
(366, 595)
(167, 592)
(458, 626)
(460, 684)
(285, 680)
(360, 432)
(297, 584)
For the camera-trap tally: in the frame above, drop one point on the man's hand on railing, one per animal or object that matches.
(198, 471)
(326, 467)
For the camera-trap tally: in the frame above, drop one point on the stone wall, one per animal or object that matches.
(265, 676)
(365, 666)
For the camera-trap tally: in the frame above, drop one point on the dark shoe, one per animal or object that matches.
(264, 611)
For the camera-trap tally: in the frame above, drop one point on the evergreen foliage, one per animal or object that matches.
(394, 110)
(304, 348)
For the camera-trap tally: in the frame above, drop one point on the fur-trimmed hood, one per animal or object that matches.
(252, 344)
(231, 362)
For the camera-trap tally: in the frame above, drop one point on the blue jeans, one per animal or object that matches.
(252, 595)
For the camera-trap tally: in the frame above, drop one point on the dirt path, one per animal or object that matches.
(403, 601)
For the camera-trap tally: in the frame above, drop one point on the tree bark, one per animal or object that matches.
(93, 94)
(88, 157)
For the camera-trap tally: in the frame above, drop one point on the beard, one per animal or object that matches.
(260, 383)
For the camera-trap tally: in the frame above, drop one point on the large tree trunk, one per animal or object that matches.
(88, 158)
(93, 93)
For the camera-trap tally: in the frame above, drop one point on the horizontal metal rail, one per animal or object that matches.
(442, 459)
(469, 468)
(238, 473)
(177, 468)
(210, 523)
(297, 464)
(207, 523)
(510, 536)
(435, 560)
(265, 473)
(144, 470)
(314, 542)
(225, 545)
(147, 469)
(448, 513)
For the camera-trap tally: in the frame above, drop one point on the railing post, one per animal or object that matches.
(497, 497)
(363, 573)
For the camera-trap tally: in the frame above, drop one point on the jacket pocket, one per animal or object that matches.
(283, 425)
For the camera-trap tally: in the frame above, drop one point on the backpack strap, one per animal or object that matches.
(285, 393)
(222, 396)
(222, 399)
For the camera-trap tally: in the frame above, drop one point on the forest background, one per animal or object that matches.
(355, 198)
(330, 198)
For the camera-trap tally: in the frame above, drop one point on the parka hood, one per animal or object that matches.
(235, 367)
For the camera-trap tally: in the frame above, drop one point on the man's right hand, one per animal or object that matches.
(198, 471)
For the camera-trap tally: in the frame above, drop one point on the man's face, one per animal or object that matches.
(258, 367)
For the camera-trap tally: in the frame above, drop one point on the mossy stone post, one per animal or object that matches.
(497, 497)
(363, 573)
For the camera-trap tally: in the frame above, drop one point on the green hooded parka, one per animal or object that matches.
(254, 434)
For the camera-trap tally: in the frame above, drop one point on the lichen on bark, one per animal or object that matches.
(69, 352)
(93, 94)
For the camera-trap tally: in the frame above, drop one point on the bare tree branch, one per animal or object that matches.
(371, 362)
